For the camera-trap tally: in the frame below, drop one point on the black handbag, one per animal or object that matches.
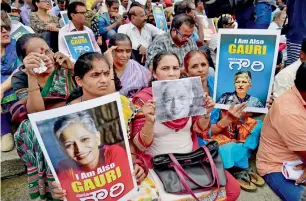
(200, 170)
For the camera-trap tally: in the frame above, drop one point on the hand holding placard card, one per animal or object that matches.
(246, 61)
(176, 99)
(72, 141)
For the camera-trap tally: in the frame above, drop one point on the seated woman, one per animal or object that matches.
(38, 92)
(132, 75)
(177, 136)
(90, 70)
(44, 23)
(77, 134)
(242, 83)
(9, 64)
(237, 138)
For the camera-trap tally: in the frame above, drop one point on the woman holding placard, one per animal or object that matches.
(44, 82)
(177, 136)
(236, 137)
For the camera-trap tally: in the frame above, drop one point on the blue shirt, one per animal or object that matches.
(104, 21)
(229, 98)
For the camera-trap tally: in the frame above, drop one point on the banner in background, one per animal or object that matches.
(208, 27)
(246, 62)
(159, 16)
(19, 31)
(78, 43)
(73, 141)
(65, 17)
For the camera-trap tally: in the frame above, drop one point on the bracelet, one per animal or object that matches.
(31, 90)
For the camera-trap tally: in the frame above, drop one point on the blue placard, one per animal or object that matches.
(78, 43)
(65, 17)
(159, 16)
(246, 64)
(20, 31)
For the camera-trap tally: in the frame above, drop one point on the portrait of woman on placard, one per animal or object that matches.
(242, 83)
(178, 100)
(80, 140)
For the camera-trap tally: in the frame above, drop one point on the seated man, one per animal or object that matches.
(76, 13)
(140, 32)
(283, 138)
(177, 40)
(284, 80)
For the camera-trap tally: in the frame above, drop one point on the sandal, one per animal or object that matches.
(256, 179)
(244, 180)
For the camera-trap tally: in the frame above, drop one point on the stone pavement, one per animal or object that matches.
(14, 185)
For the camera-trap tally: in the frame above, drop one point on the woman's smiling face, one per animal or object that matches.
(80, 144)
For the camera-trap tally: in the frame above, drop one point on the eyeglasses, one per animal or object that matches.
(6, 27)
(183, 35)
(82, 13)
(49, 51)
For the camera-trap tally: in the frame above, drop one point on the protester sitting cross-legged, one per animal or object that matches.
(234, 150)
(132, 75)
(9, 64)
(44, 82)
(94, 77)
(44, 23)
(283, 139)
(152, 138)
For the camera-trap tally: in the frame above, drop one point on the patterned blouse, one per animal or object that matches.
(39, 25)
(229, 98)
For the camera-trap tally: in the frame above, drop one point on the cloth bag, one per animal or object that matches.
(200, 170)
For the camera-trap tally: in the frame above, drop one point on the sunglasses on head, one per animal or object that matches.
(6, 27)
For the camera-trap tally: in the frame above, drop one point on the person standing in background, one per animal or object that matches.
(256, 16)
(297, 28)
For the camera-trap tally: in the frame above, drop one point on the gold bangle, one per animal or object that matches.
(31, 90)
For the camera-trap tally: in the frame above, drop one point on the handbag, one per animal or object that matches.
(200, 170)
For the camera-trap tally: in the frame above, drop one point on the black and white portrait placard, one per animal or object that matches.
(176, 99)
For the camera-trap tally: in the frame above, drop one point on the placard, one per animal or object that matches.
(209, 28)
(176, 99)
(73, 141)
(246, 62)
(19, 31)
(78, 43)
(65, 17)
(159, 16)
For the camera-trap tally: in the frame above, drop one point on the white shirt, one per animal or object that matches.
(274, 26)
(71, 28)
(284, 80)
(166, 140)
(145, 38)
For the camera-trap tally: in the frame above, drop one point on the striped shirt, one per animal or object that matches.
(164, 42)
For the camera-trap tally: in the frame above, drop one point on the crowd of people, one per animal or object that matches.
(130, 53)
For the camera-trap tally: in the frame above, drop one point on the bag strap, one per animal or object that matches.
(181, 173)
(182, 179)
(180, 168)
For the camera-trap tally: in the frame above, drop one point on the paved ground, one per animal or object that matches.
(15, 189)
